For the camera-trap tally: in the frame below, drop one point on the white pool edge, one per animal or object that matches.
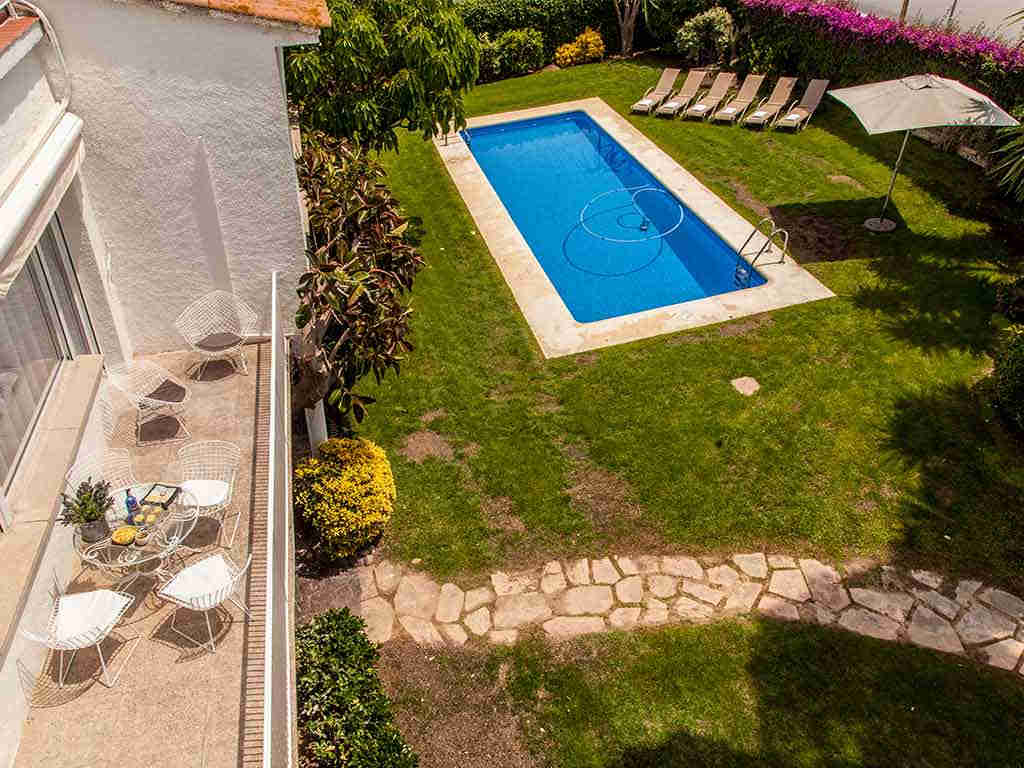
(557, 332)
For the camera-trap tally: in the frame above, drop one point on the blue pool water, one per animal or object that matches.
(610, 237)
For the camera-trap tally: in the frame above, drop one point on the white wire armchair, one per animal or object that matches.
(202, 587)
(209, 469)
(156, 394)
(82, 620)
(216, 326)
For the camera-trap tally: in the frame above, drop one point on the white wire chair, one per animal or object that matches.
(209, 469)
(202, 587)
(81, 620)
(107, 417)
(111, 464)
(215, 327)
(155, 392)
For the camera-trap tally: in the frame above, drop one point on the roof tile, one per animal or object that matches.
(12, 30)
(309, 13)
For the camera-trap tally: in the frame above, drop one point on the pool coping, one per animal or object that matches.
(557, 332)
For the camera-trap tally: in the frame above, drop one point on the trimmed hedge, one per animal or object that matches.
(559, 20)
(345, 720)
(515, 52)
(1009, 377)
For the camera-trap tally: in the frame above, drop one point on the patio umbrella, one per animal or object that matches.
(920, 101)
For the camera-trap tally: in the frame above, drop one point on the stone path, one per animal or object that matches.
(584, 596)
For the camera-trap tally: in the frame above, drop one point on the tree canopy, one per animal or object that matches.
(385, 64)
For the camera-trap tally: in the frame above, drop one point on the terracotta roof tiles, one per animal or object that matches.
(12, 30)
(308, 13)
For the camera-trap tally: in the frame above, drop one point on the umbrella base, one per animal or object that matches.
(880, 225)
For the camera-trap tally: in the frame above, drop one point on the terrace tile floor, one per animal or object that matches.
(174, 704)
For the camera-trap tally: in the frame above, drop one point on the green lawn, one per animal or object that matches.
(871, 435)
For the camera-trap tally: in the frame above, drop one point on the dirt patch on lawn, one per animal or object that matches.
(744, 196)
(452, 709)
(815, 238)
(603, 494)
(433, 415)
(842, 178)
(422, 445)
(546, 404)
(500, 512)
(727, 330)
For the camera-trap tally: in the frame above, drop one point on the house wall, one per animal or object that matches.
(188, 161)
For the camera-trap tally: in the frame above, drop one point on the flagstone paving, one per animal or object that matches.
(566, 599)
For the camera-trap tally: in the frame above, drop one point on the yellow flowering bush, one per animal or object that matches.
(588, 46)
(346, 495)
(568, 55)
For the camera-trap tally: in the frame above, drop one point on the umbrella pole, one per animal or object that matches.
(882, 224)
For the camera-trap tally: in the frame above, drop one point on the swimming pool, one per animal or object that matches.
(609, 236)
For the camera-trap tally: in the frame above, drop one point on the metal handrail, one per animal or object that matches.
(766, 246)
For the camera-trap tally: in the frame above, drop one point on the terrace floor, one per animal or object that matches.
(174, 704)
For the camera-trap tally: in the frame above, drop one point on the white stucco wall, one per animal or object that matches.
(188, 161)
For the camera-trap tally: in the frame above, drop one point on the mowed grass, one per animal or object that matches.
(872, 433)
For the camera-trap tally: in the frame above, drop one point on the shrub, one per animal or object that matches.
(569, 55)
(707, 37)
(344, 717)
(558, 20)
(346, 495)
(1009, 377)
(1010, 300)
(588, 46)
(520, 51)
(490, 61)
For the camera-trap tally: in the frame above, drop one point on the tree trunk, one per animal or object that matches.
(903, 11)
(626, 12)
(316, 426)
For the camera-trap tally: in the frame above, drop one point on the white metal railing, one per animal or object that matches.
(280, 748)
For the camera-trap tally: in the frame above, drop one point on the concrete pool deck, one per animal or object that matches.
(557, 332)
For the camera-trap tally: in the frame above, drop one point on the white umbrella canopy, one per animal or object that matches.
(920, 101)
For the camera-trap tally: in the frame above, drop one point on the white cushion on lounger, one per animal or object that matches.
(793, 116)
(645, 102)
(672, 104)
(728, 110)
(699, 107)
(760, 113)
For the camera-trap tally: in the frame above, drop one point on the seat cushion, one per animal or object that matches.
(200, 579)
(85, 618)
(218, 342)
(168, 392)
(207, 493)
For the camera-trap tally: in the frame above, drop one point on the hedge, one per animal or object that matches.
(559, 20)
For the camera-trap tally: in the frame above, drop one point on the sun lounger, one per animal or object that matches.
(681, 99)
(654, 96)
(799, 116)
(769, 107)
(708, 103)
(732, 111)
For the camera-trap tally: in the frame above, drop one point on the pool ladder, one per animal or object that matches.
(769, 230)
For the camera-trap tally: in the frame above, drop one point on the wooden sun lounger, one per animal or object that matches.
(708, 103)
(657, 94)
(799, 116)
(681, 99)
(769, 107)
(732, 111)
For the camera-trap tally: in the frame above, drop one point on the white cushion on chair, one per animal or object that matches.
(207, 493)
(88, 616)
(198, 579)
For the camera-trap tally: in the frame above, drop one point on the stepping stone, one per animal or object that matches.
(504, 636)
(455, 634)
(755, 565)
(423, 632)
(742, 597)
(367, 584)
(661, 585)
(930, 630)
(627, 566)
(858, 566)
(686, 567)
(723, 575)
(980, 625)
(822, 615)
(379, 618)
(624, 618)
(592, 599)
(745, 385)
(928, 578)
(630, 590)
(512, 584)
(691, 609)
(1005, 654)
(552, 580)
(777, 608)
(579, 572)
(895, 605)
(479, 621)
(656, 613)
(825, 585)
(417, 596)
(564, 627)
(781, 561)
(937, 602)
(513, 611)
(1003, 601)
(790, 584)
(604, 572)
(648, 563)
(477, 597)
(449, 604)
(864, 622)
(703, 592)
(388, 575)
(965, 591)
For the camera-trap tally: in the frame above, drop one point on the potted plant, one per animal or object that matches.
(88, 509)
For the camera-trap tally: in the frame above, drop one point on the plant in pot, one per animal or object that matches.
(87, 509)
